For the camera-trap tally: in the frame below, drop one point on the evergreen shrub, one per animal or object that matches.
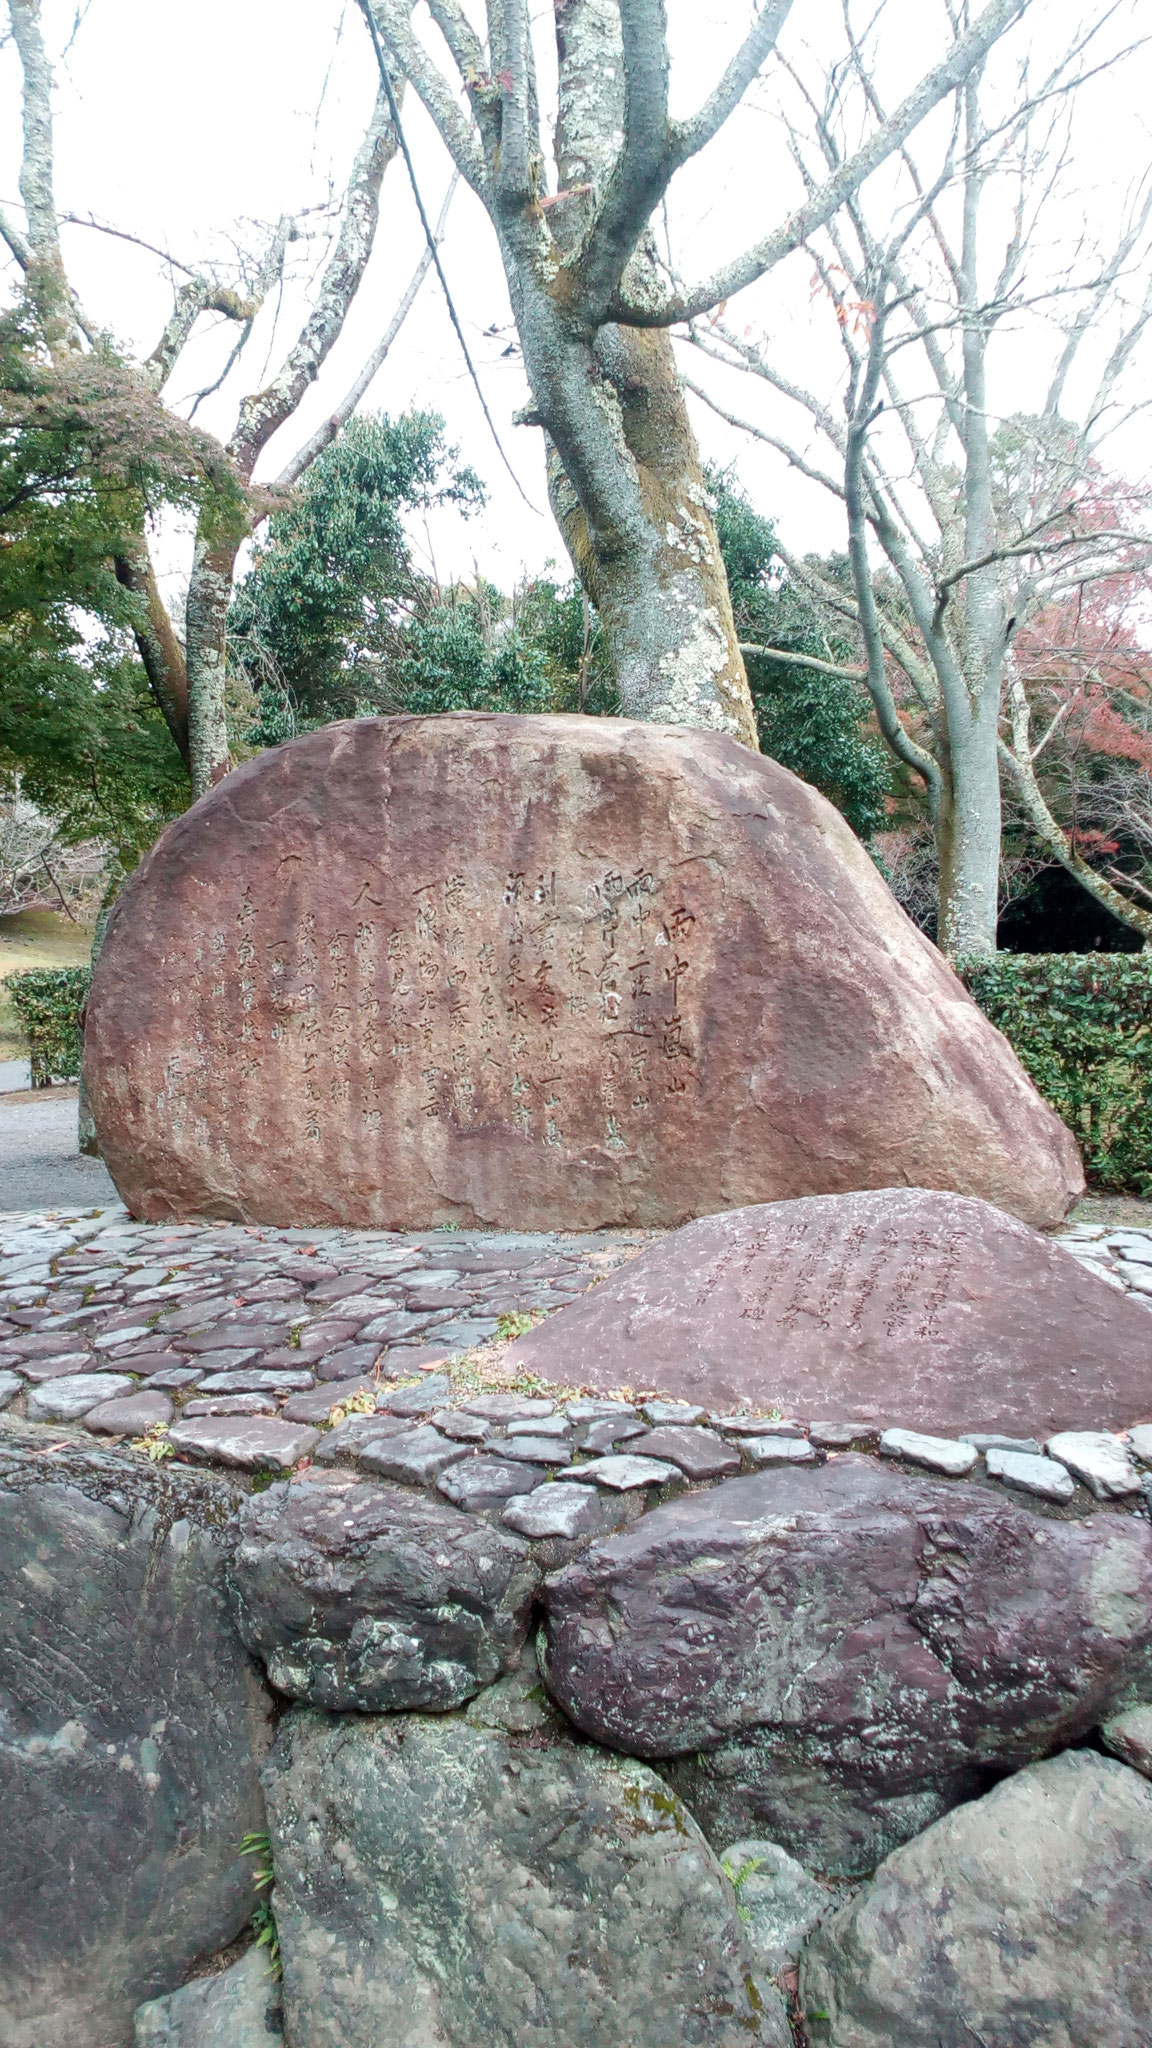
(47, 1002)
(1081, 1026)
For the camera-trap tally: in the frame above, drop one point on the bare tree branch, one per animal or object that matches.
(967, 52)
(692, 136)
(342, 413)
(431, 87)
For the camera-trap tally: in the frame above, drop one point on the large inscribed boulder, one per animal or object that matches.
(536, 972)
(896, 1307)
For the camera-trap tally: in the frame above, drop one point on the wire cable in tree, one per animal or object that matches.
(394, 111)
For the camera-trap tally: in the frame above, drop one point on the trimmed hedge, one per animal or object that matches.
(1081, 1026)
(47, 1001)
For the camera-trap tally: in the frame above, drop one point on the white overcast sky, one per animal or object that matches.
(190, 125)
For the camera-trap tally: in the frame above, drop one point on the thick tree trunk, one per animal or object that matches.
(206, 634)
(652, 567)
(157, 643)
(968, 835)
(624, 469)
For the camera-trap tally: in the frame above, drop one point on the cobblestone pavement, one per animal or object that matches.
(267, 1350)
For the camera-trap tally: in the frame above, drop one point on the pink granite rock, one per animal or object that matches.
(536, 972)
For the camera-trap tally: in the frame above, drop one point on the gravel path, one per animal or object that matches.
(40, 1167)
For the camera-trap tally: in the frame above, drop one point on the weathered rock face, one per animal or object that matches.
(452, 1884)
(834, 1657)
(132, 1728)
(1021, 1919)
(886, 1307)
(372, 1597)
(536, 972)
(240, 2008)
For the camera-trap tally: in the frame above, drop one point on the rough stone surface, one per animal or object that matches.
(834, 1656)
(779, 1903)
(1140, 1442)
(559, 1510)
(486, 1482)
(11, 1384)
(416, 1455)
(1041, 1476)
(240, 2008)
(697, 989)
(132, 1731)
(623, 1473)
(935, 1453)
(370, 1597)
(1129, 1736)
(251, 1445)
(65, 1400)
(130, 1417)
(442, 1883)
(1020, 1920)
(700, 1453)
(899, 1307)
(1097, 1459)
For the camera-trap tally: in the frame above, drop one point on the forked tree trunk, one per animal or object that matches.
(624, 468)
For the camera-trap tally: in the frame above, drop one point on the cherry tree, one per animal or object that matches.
(593, 305)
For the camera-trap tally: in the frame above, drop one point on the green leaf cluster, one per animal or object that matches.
(48, 1001)
(1081, 1026)
(315, 625)
(87, 454)
(816, 725)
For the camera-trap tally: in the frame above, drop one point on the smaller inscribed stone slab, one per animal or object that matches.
(898, 1307)
(538, 973)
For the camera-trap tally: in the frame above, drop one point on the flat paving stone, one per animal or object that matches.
(541, 1425)
(344, 1442)
(482, 1482)
(37, 1370)
(508, 1407)
(461, 1428)
(539, 1450)
(1044, 1477)
(1098, 1459)
(66, 1400)
(1026, 1445)
(1140, 1442)
(657, 1412)
(251, 1380)
(755, 1425)
(132, 1416)
(935, 1453)
(222, 1359)
(316, 1405)
(465, 1335)
(234, 1404)
(10, 1385)
(622, 1474)
(250, 1444)
(780, 1450)
(347, 1362)
(557, 1510)
(588, 1410)
(175, 1377)
(600, 1436)
(421, 1399)
(417, 1455)
(114, 1338)
(841, 1436)
(699, 1453)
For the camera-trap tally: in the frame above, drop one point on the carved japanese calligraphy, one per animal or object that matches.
(530, 972)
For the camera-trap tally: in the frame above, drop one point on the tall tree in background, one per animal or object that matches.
(979, 526)
(593, 308)
(187, 675)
